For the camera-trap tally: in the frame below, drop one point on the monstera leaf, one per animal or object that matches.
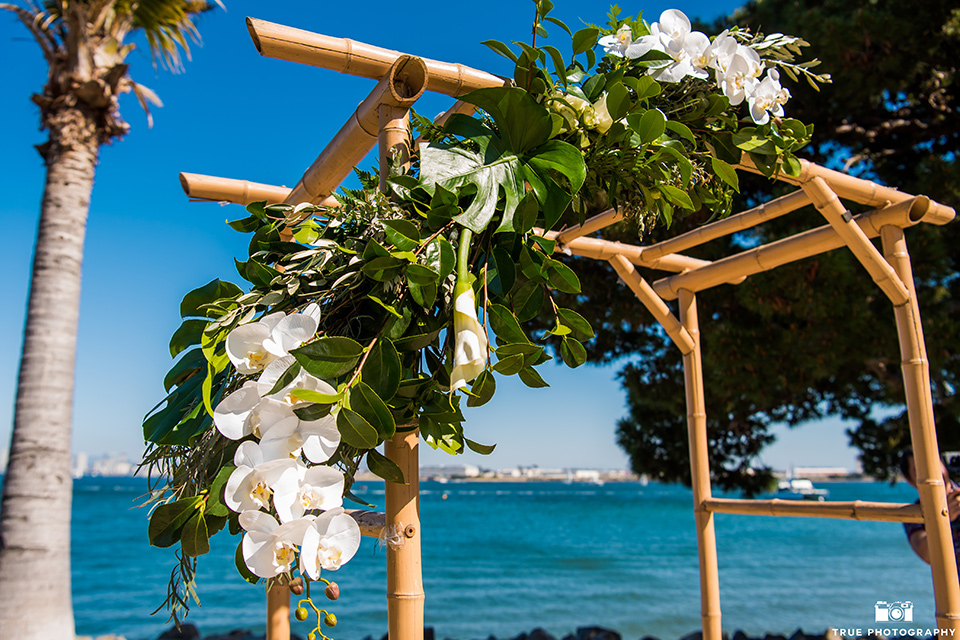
(519, 152)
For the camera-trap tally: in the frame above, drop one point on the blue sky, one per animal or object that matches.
(236, 114)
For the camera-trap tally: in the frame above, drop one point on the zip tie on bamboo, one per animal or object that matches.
(829, 205)
(654, 303)
(849, 510)
(216, 189)
(401, 86)
(360, 59)
(744, 220)
(372, 523)
(802, 245)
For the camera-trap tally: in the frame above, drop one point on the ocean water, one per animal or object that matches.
(503, 558)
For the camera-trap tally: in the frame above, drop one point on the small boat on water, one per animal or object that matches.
(800, 489)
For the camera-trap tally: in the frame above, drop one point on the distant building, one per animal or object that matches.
(820, 472)
(80, 465)
(450, 471)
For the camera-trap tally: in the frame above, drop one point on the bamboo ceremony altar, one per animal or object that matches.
(383, 118)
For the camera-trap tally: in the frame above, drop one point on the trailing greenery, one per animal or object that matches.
(361, 321)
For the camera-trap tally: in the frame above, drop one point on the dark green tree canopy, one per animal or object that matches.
(814, 338)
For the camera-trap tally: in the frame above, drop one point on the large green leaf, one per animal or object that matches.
(167, 520)
(213, 290)
(382, 369)
(502, 160)
(328, 357)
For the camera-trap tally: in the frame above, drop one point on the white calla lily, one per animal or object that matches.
(329, 543)
(470, 340)
(251, 485)
(270, 548)
(245, 344)
(304, 489)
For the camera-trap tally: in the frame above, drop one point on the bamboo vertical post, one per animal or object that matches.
(923, 435)
(405, 597)
(278, 613)
(700, 471)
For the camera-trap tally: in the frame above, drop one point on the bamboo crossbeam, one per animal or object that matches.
(605, 249)
(202, 187)
(829, 205)
(403, 83)
(845, 186)
(850, 510)
(654, 303)
(359, 59)
(739, 222)
(597, 222)
(802, 245)
(372, 523)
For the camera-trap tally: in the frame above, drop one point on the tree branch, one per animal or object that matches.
(40, 34)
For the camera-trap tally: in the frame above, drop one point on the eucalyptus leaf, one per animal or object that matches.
(195, 539)
(381, 371)
(482, 389)
(365, 401)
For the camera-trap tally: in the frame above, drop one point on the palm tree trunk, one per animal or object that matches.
(35, 600)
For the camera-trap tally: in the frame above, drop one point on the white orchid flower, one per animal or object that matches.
(739, 80)
(250, 486)
(244, 412)
(329, 543)
(622, 44)
(470, 346)
(673, 26)
(317, 440)
(291, 332)
(304, 489)
(269, 548)
(768, 99)
(245, 344)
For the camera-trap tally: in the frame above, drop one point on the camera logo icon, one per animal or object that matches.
(896, 611)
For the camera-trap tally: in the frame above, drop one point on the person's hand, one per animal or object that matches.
(953, 501)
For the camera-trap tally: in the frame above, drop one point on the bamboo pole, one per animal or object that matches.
(849, 510)
(278, 612)
(359, 59)
(923, 435)
(201, 187)
(739, 222)
(797, 247)
(597, 222)
(700, 471)
(628, 273)
(846, 186)
(405, 597)
(828, 204)
(400, 86)
(372, 523)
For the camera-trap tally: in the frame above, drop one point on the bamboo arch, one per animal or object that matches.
(383, 118)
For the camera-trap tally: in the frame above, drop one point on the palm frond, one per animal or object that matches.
(167, 25)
